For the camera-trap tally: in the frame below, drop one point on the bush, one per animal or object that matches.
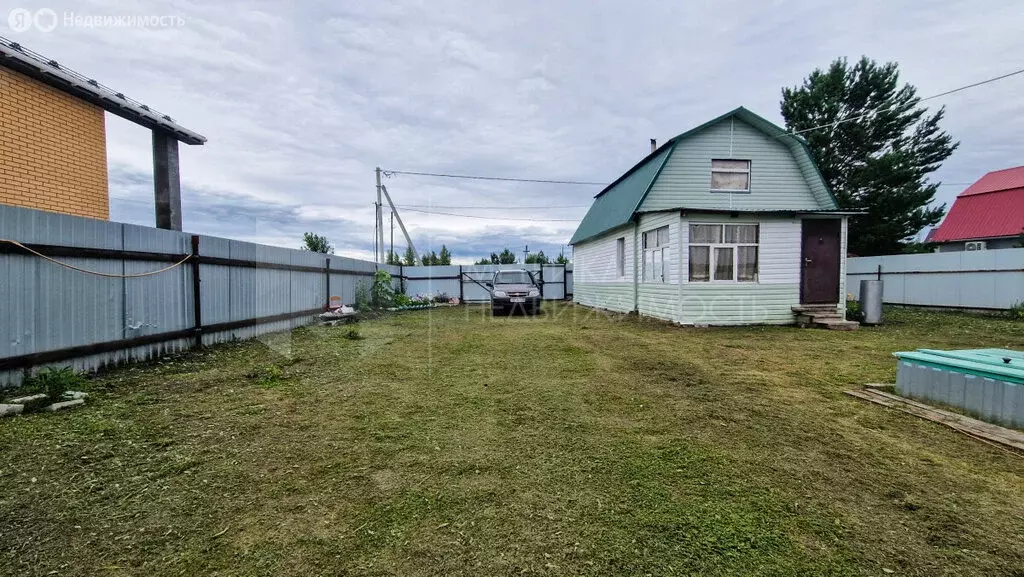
(53, 382)
(853, 311)
(402, 300)
(1016, 311)
(383, 292)
(442, 298)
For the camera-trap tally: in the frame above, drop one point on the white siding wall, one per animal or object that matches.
(596, 281)
(768, 301)
(594, 260)
(661, 299)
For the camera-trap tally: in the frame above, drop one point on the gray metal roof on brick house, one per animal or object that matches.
(16, 57)
(619, 202)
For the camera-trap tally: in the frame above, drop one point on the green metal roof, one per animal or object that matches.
(616, 204)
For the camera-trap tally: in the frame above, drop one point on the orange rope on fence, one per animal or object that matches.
(97, 273)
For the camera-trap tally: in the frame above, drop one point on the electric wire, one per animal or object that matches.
(390, 173)
(94, 272)
(882, 109)
(491, 217)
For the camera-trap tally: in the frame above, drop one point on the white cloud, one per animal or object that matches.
(301, 101)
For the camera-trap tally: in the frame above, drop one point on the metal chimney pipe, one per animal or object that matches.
(654, 145)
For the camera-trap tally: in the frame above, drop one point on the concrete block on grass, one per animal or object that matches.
(64, 405)
(72, 395)
(11, 410)
(27, 400)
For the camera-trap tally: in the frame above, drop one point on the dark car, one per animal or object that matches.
(514, 290)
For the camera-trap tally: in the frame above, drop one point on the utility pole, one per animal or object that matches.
(375, 209)
(380, 222)
(398, 217)
(391, 254)
(526, 253)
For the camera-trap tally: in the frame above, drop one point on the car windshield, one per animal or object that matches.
(513, 277)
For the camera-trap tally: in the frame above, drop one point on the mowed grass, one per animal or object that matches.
(448, 442)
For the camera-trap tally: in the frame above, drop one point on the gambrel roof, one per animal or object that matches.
(617, 204)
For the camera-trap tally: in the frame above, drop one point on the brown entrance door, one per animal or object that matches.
(819, 282)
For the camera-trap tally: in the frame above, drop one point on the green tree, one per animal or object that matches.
(484, 260)
(316, 243)
(393, 258)
(878, 159)
(410, 257)
(506, 257)
(445, 257)
(537, 258)
(429, 259)
(918, 247)
(562, 259)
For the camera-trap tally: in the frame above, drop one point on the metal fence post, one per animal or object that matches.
(462, 287)
(197, 301)
(327, 278)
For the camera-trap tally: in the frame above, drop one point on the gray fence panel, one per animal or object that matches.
(432, 280)
(568, 281)
(158, 303)
(554, 282)
(987, 279)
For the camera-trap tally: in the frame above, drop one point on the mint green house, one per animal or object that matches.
(729, 223)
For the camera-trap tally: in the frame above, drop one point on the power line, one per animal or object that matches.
(932, 97)
(390, 173)
(492, 217)
(478, 207)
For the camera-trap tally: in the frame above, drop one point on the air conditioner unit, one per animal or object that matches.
(976, 245)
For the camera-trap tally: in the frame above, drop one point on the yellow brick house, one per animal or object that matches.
(53, 153)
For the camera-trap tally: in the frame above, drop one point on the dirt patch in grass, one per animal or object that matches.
(448, 442)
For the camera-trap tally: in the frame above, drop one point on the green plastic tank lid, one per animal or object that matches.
(1002, 364)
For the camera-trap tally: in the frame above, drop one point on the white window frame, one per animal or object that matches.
(620, 257)
(731, 171)
(652, 274)
(713, 256)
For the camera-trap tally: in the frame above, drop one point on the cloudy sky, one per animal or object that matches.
(301, 100)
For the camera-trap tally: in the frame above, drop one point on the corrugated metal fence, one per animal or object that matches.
(50, 314)
(467, 281)
(53, 315)
(984, 279)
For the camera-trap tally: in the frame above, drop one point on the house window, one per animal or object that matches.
(620, 257)
(655, 254)
(723, 252)
(730, 175)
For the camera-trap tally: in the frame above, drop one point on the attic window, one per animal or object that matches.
(730, 176)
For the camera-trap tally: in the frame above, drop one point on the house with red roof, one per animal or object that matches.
(988, 215)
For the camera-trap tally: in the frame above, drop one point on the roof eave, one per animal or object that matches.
(51, 74)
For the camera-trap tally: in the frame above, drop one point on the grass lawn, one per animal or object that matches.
(447, 442)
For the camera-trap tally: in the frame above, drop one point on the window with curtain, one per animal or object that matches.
(730, 175)
(723, 252)
(655, 247)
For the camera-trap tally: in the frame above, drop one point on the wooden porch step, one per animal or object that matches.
(824, 319)
(836, 324)
(816, 308)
